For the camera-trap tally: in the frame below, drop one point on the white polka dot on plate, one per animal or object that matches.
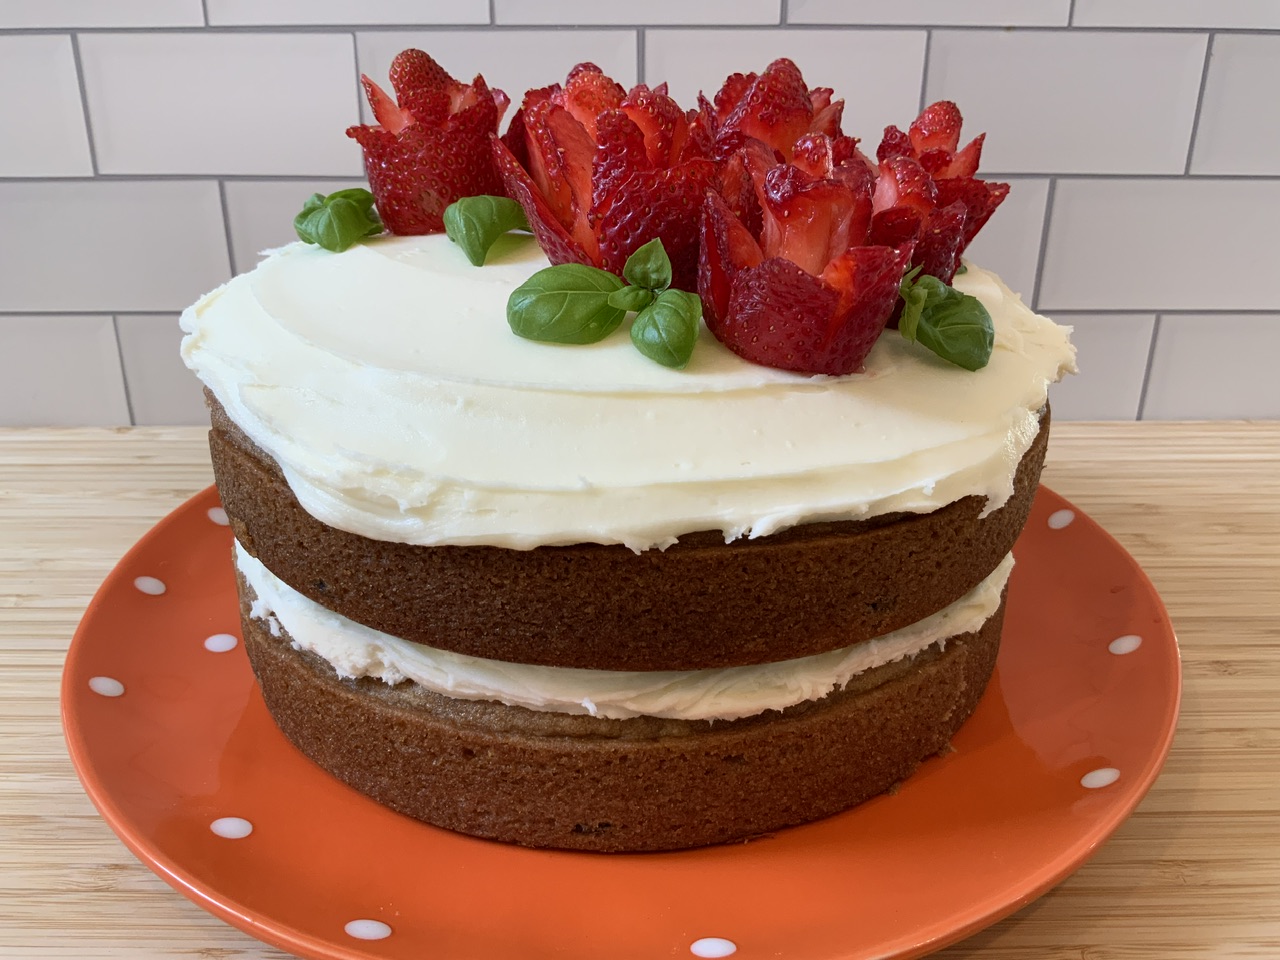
(367, 930)
(150, 585)
(218, 516)
(1060, 518)
(232, 828)
(713, 947)
(106, 686)
(1102, 777)
(1126, 644)
(221, 642)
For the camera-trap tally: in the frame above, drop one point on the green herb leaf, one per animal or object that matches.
(475, 223)
(337, 221)
(649, 267)
(634, 299)
(567, 303)
(667, 329)
(962, 269)
(954, 325)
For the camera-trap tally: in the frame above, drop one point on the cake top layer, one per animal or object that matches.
(385, 382)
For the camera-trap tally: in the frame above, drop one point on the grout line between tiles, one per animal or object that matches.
(1146, 374)
(924, 70)
(493, 12)
(355, 58)
(226, 227)
(1071, 14)
(124, 377)
(641, 34)
(784, 13)
(84, 102)
(1044, 243)
(204, 11)
(1195, 119)
(284, 28)
(90, 313)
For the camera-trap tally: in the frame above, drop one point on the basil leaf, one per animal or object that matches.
(667, 329)
(954, 325)
(634, 299)
(475, 223)
(962, 270)
(649, 267)
(337, 221)
(567, 303)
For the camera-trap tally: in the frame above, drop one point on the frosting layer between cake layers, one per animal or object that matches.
(387, 385)
(355, 650)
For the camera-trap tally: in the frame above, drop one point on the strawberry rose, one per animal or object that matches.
(804, 291)
(927, 192)
(431, 144)
(600, 171)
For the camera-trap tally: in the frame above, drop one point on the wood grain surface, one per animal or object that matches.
(1195, 873)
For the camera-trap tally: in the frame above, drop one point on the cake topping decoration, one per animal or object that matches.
(575, 303)
(430, 145)
(475, 224)
(954, 325)
(801, 249)
(600, 171)
(337, 221)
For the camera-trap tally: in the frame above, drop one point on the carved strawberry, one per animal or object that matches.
(805, 293)
(601, 171)
(430, 145)
(775, 107)
(926, 190)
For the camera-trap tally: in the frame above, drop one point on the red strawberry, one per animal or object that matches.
(926, 190)
(780, 316)
(811, 221)
(589, 93)
(775, 107)
(431, 147)
(662, 203)
(600, 172)
(904, 183)
(937, 128)
(979, 198)
(809, 294)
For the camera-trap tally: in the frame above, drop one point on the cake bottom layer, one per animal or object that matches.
(587, 783)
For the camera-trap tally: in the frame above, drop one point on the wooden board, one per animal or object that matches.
(1195, 873)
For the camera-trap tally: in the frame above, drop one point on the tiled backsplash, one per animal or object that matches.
(150, 148)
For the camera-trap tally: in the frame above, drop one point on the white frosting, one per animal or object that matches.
(385, 382)
(355, 650)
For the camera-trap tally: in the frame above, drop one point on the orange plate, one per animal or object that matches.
(1068, 738)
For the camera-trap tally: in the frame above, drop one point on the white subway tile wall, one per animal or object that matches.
(1206, 365)
(934, 13)
(1239, 119)
(159, 145)
(658, 12)
(161, 388)
(1111, 352)
(334, 12)
(61, 371)
(44, 130)
(1064, 102)
(221, 103)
